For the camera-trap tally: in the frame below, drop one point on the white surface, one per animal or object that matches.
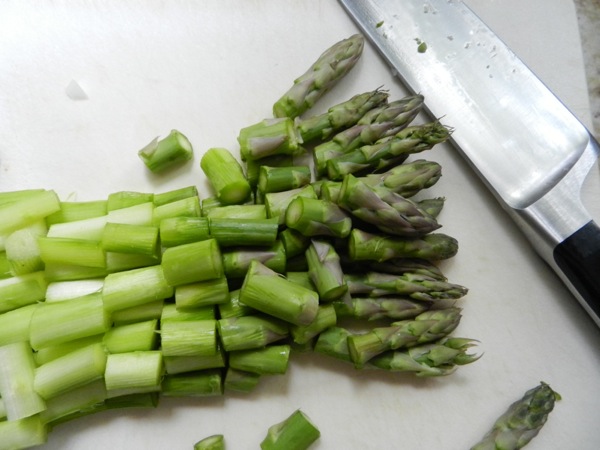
(210, 68)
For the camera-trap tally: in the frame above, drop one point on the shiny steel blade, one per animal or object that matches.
(515, 132)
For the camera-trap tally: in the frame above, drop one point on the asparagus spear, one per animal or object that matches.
(269, 137)
(388, 211)
(375, 308)
(340, 116)
(521, 422)
(333, 64)
(162, 154)
(325, 270)
(426, 327)
(297, 432)
(278, 179)
(314, 217)
(383, 152)
(428, 360)
(376, 247)
(214, 442)
(225, 175)
(418, 287)
(407, 179)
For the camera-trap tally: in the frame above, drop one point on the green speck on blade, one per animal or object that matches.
(379, 24)
(422, 48)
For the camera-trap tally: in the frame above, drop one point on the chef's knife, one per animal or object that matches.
(525, 144)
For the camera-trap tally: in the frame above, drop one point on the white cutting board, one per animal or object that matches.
(210, 68)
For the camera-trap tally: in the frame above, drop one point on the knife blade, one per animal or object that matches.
(528, 148)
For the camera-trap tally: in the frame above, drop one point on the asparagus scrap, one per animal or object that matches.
(522, 421)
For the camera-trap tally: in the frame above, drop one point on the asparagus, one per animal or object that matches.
(426, 327)
(382, 153)
(240, 380)
(521, 422)
(432, 206)
(247, 332)
(237, 260)
(276, 203)
(376, 124)
(343, 115)
(407, 179)
(162, 154)
(333, 64)
(325, 270)
(334, 342)
(214, 442)
(375, 308)
(388, 211)
(278, 179)
(269, 360)
(417, 287)
(428, 360)
(269, 137)
(314, 217)
(225, 175)
(297, 432)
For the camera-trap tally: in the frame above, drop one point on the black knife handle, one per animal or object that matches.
(578, 257)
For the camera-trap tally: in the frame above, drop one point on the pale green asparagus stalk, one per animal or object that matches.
(388, 211)
(297, 432)
(407, 179)
(521, 422)
(340, 116)
(333, 64)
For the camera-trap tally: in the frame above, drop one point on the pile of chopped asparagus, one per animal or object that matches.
(313, 240)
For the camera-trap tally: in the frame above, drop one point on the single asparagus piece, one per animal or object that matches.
(125, 199)
(162, 154)
(332, 65)
(376, 247)
(297, 432)
(253, 166)
(276, 203)
(415, 286)
(343, 115)
(326, 318)
(426, 327)
(432, 206)
(189, 263)
(225, 175)
(378, 123)
(126, 238)
(214, 442)
(22, 250)
(314, 217)
(388, 211)
(235, 232)
(407, 179)
(173, 195)
(240, 380)
(133, 372)
(269, 360)
(294, 242)
(203, 383)
(262, 289)
(175, 231)
(234, 308)
(404, 265)
(522, 421)
(22, 290)
(201, 294)
(278, 179)
(325, 270)
(428, 360)
(380, 154)
(23, 433)
(237, 260)
(375, 308)
(334, 342)
(247, 332)
(269, 137)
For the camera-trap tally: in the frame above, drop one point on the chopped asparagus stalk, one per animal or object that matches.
(326, 318)
(125, 238)
(268, 138)
(236, 261)
(71, 371)
(383, 208)
(74, 403)
(234, 308)
(407, 179)
(297, 432)
(60, 322)
(186, 207)
(294, 242)
(276, 203)
(428, 360)
(235, 232)
(262, 290)
(27, 209)
(331, 66)
(342, 115)
(140, 336)
(22, 249)
(214, 442)
(135, 287)
(80, 252)
(432, 206)
(23, 433)
(189, 338)
(205, 383)
(314, 217)
(334, 342)
(184, 364)
(378, 247)
(426, 327)
(17, 371)
(189, 263)
(22, 290)
(202, 293)
(50, 353)
(522, 421)
(139, 313)
(247, 212)
(176, 231)
(174, 195)
(125, 199)
(133, 372)
(171, 312)
(240, 380)
(173, 150)
(247, 332)
(226, 176)
(325, 270)
(58, 291)
(278, 179)
(14, 325)
(269, 360)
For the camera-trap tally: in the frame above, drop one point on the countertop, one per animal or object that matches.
(210, 68)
